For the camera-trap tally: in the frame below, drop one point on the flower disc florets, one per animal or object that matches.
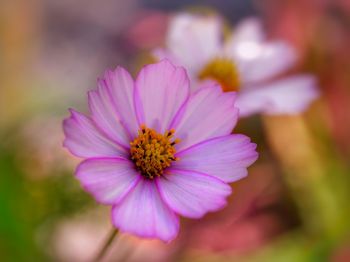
(153, 152)
(223, 71)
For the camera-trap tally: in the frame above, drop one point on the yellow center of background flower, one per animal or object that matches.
(223, 71)
(153, 152)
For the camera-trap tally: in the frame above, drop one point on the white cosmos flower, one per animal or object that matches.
(245, 61)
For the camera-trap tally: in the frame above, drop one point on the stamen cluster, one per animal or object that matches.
(222, 70)
(153, 152)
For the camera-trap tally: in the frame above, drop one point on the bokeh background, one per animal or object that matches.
(294, 206)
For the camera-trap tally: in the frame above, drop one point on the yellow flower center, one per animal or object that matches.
(223, 71)
(153, 152)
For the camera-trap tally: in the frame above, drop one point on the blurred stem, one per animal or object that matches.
(305, 171)
(106, 245)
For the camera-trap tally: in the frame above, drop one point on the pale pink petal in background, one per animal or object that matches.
(290, 95)
(194, 41)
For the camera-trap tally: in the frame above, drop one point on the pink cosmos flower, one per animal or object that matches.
(244, 61)
(155, 151)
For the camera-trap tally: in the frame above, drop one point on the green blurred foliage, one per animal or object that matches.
(27, 204)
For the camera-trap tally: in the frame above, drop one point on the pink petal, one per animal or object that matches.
(258, 62)
(161, 54)
(192, 194)
(106, 117)
(194, 39)
(209, 113)
(160, 91)
(258, 59)
(250, 29)
(83, 139)
(143, 212)
(225, 158)
(121, 88)
(108, 179)
(290, 95)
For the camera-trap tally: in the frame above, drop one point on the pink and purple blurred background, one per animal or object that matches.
(294, 206)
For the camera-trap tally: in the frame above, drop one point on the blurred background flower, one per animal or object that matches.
(293, 207)
(243, 60)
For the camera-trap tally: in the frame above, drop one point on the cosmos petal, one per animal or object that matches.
(143, 213)
(161, 89)
(83, 138)
(107, 179)
(208, 113)
(105, 115)
(225, 158)
(291, 95)
(259, 62)
(121, 88)
(192, 194)
(162, 53)
(248, 30)
(194, 39)
(256, 58)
